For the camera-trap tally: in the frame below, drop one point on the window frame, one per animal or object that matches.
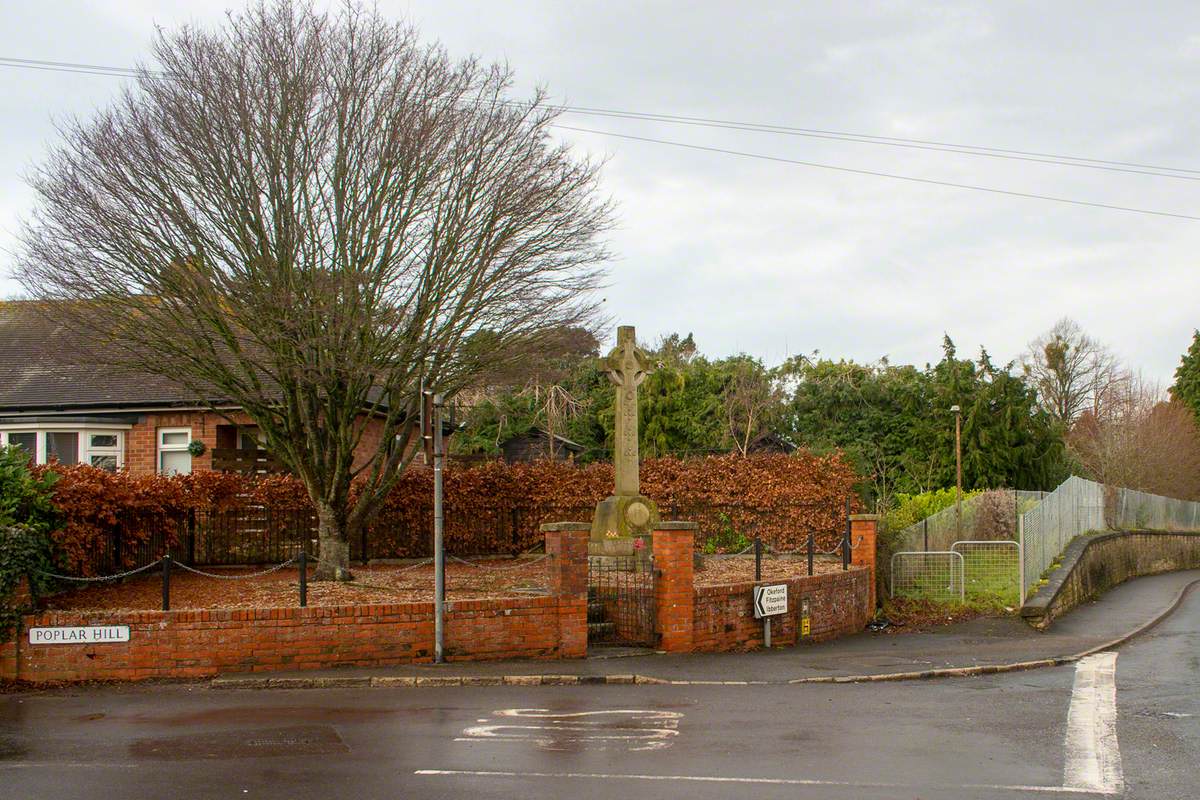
(162, 447)
(84, 449)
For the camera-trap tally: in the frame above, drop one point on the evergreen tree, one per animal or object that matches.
(1187, 377)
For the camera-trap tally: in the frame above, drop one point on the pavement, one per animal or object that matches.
(978, 646)
(1122, 723)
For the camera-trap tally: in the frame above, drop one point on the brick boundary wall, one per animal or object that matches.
(839, 604)
(200, 644)
(864, 533)
(673, 544)
(1094, 563)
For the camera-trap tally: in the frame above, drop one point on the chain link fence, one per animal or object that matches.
(1079, 506)
(1006, 541)
(989, 516)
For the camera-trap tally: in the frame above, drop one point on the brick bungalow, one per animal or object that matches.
(56, 405)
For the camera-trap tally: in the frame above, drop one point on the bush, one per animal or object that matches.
(912, 508)
(26, 517)
(25, 492)
(490, 508)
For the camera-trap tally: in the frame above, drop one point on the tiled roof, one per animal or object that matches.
(42, 366)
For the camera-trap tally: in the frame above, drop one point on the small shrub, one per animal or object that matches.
(24, 553)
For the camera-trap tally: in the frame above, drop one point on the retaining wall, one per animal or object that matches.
(1094, 563)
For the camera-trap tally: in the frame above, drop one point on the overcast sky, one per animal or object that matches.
(775, 259)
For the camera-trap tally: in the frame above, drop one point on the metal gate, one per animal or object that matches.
(621, 600)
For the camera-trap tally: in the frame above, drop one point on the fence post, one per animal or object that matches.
(812, 545)
(757, 558)
(303, 579)
(846, 540)
(515, 525)
(166, 582)
(191, 535)
(1021, 558)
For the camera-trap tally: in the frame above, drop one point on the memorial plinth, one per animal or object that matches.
(626, 514)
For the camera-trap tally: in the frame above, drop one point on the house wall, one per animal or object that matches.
(141, 441)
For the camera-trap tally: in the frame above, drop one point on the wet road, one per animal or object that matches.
(1017, 735)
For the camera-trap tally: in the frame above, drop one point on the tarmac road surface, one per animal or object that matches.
(1124, 724)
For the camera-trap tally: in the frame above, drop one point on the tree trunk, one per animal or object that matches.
(334, 554)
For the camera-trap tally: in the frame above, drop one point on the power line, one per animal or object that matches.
(877, 174)
(966, 150)
(863, 137)
(724, 124)
(96, 69)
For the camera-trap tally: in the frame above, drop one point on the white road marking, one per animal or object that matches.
(67, 764)
(727, 779)
(1093, 758)
(624, 729)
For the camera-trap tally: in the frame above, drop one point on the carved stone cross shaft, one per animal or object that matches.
(627, 368)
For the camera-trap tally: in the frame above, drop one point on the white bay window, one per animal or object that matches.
(68, 444)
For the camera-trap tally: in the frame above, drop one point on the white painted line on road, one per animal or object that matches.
(67, 764)
(625, 729)
(1093, 758)
(728, 779)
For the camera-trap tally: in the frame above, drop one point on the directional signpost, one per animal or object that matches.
(769, 601)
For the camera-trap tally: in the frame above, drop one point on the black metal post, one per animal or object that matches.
(812, 546)
(303, 579)
(846, 541)
(757, 558)
(925, 525)
(191, 536)
(166, 582)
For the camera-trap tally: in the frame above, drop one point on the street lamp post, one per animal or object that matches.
(958, 471)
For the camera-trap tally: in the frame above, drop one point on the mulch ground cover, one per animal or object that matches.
(378, 583)
(739, 569)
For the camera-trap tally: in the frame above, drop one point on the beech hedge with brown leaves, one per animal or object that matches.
(489, 508)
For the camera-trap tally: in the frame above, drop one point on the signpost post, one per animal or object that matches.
(769, 601)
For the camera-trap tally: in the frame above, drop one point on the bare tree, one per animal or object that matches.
(750, 396)
(307, 215)
(1143, 442)
(1073, 372)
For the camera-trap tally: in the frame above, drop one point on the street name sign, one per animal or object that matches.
(92, 634)
(770, 600)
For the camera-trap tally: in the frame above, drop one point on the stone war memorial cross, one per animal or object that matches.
(627, 513)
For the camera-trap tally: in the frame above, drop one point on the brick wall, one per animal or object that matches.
(864, 530)
(195, 644)
(673, 584)
(141, 441)
(839, 604)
